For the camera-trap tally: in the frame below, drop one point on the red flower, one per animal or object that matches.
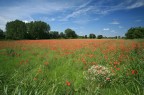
(134, 72)
(116, 63)
(68, 83)
(118, 69)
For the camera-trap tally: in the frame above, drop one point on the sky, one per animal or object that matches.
(101, 17)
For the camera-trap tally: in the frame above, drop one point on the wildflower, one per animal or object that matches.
(134, 72)
(108, 79)
(116, 63)
(68, 83)
(118, 69)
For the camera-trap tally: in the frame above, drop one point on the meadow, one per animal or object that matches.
(72, 67)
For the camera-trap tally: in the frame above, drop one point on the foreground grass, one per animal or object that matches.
(37, 70)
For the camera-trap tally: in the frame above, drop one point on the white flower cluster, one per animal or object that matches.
(97, 72)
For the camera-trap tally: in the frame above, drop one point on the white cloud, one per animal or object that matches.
(138, 20)
(114, 22)
(136, 5)
(106, 29)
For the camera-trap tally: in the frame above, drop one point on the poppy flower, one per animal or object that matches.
(68, 83)
(134, 72)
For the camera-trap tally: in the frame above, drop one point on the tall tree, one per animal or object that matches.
(16, 30)
(92, 36)
(70, 33)
(38, 30)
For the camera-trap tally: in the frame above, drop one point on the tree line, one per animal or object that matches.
(18, 30)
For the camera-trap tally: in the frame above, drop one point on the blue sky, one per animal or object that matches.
(106, 17)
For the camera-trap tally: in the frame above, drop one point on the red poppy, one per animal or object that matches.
(118, 69)
(134, 72)
(68, 83)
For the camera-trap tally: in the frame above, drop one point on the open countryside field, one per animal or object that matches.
(72, 67)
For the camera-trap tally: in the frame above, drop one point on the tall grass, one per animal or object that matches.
(36, 70)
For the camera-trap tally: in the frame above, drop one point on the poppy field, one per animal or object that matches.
(72, 67)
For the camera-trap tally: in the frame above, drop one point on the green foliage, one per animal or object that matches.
(70, 33)
(1, 34)
(37, 30)
(62, 35)
(54, 35)
(135, 33)
(16, 30)
(100, 36)
(92, 36)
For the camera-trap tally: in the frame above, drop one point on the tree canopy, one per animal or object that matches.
(135, 33)
(100, 36)
(70, 33)
(38, 30)
(92, 36)
(16, 30)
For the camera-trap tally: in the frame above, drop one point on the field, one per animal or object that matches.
(72, 67)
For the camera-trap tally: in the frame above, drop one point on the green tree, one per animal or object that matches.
(16, 30)
(85, 36)
(100, 36)
(54, 34)
(135, 33)
(70, 33)
(1, 34)
(62, 35)
(92, 36)
(38, 30)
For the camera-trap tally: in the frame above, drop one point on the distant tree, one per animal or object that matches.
(119, 37)
(70, 33)
(135, 33)
(16, 30)
(54, 35)
(38, 30)
(100, 36)
(62, 35)
(1, 34)
(92, 36)
(85, 36)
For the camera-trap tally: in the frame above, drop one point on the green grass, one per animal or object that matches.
(41, 71)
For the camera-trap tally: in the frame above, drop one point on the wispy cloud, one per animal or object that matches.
(80, 10)
(115, 22)
(64, 10)
(137, 4)
(106, 29)
(138, 20)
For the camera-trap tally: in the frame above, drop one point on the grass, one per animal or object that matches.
(57, 67)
